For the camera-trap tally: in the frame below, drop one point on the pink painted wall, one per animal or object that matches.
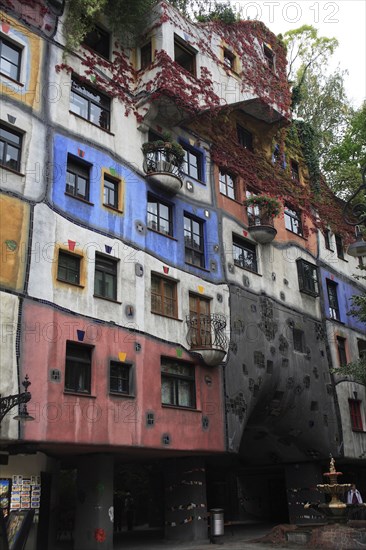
(103, 419)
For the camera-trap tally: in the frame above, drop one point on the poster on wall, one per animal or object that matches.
(18, 527)
(25, 493)
(5, 492)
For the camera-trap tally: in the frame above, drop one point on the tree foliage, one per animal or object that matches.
(356, 369)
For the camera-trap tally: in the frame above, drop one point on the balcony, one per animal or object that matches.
(206, 336)
(261, 228)
(162, 165)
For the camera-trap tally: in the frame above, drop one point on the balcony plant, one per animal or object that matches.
(172, 151)
(261, 221)
(269, 207)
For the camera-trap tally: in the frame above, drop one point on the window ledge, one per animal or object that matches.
(230, 199)
(309, 293)
(107, 299)
(12, 79)
(336, 321)
(79, 394)
(92, 123)
(198, 267)
(120, 394)
(342, 258)
(166, 316)
(113, 208)
(297, 235)
(180, 408)
(79, 198)
(163, 234)
(248, 270)
(4, 167)
(77, 285)
(187, 177)
(359, 430)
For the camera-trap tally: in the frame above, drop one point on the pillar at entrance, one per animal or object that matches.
(94, 521)
(185, 500)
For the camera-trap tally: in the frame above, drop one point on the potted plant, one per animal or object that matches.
(163, 159)
(261, 211)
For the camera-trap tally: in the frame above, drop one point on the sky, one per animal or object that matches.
(342, 19)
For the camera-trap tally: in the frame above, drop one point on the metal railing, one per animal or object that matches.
(207, 331)
(161, 159)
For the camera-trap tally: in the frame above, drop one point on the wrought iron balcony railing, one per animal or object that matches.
(207, 333)
(161, 159)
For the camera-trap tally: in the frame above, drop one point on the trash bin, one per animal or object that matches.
(217, 524)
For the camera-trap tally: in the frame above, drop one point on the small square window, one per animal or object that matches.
(111, 188)
(78, 368)
(193, 163)
(245, 138)
(120, 378)
(244, 254)
(10, 59)
(194, 242)
(105, 281)
(229, 59)
(98, 40)
(295, 174)
(227, 184)
(184, 55)
(146, 55)
(159, 215)
(68, 267)
(339, 246)
(293, 221)
(332, 290)
(87, 102)
(298, 337)
(178, 383)
(10, 148)
(163, 296)
(269, 56)
(308, 277)
(356, 415)
(77, 178)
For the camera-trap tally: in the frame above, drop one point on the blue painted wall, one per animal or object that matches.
(345, 291)
(123, 225)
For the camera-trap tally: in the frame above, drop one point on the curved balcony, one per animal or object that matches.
(261, 228)
(162, 166)
(206, 336)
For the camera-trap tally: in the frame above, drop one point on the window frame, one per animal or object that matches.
(339, 246)
(8, 143)
(200, 332)
(75, 81)
(163, 280)
(66, 254)
(224, 186)
(190, 52)
(19, 50)
(112, 271)
(333, 303)
(190, 249)
(127, 367)
(295, 171)
(269, 56)
(293, 216)
(305, 283)
(229, 59)
(341, 351)
(355, 415)
(298, 338)
(152, 199)
(248, 247)
(327, 238)
(104, 36)
(175, 379)
(84, 365)
(187, 164)
(79, 169)
(144, 62)
(245, 137)
(116, 182)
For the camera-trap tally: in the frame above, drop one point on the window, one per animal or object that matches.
(184, 55)
(229, 59)
(120, 378)
(98, 40)
(341, 347)
(333, 300)
(10, 58)
(77, 178)
(111, 191)
(293, 221)
(245, 138)
(193, 242)
(163, 296)
(78, 367)
(227, 184)
(105, 282)
(146, 56)
(362, 349)
(177, 384)
(327, 239)
(89, 103)
(159, 216)
(269, 56)
(200, 321)
(68, 267)
(253, 212)
(308, 277)
(339, 246)
(355, 413)
(244, 254)
(192, 164)
(10, 148)
(295, 174)
(298, 337)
